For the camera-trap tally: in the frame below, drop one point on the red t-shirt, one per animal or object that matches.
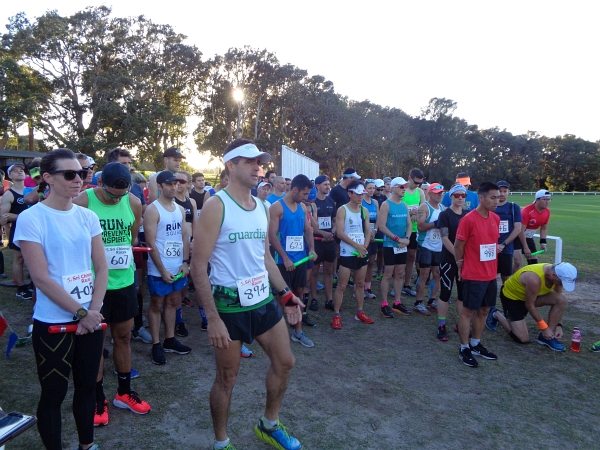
(534, 219)
(481, 238)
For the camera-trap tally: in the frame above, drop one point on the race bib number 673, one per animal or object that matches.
(80, 286)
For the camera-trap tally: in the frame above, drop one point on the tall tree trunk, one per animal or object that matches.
(31, 140)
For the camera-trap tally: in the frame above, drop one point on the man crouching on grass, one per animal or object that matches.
(531, 287)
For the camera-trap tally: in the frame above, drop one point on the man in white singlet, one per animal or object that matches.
(237, 297)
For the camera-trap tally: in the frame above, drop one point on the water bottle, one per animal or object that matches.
(576, 340)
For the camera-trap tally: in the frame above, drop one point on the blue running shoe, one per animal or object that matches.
(552, 343)
(491, 322)
(246, 352)
(320, 286)
(278, 436)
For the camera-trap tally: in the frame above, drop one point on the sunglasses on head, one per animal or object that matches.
(70, 175)
(111, 195)
(459, 195)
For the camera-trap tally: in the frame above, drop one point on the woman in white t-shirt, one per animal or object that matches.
(60, 241)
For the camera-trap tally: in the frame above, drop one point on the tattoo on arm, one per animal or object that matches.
(444, 231)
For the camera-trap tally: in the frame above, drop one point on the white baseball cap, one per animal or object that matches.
(567, 274)
(398, 180)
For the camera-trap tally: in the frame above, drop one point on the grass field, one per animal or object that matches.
(387, 385)
(574, 218)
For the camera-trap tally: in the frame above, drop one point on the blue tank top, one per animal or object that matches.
(372, 209)
(291, 233)
(396, 222)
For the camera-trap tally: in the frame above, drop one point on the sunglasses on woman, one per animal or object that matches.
(459, 195)
(70, 175)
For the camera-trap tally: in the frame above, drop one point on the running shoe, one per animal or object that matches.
(158, 355)
(392, 293)
(306, 321)
(204, 326)
(378, 277)
(406, 290)
(101, 414)
(483, 352)
(133, 402)
(442, 334)
(467, 358)
(421, 309)
(432, 305)
(320, 286)
(302, 339)
(176, 347)
(351, 281)
(491, 323)
(553, 343)
(335, 279)
(229, 447)
(336, 322)
(145, 322)
(329, 304)
(134, 373)
(26, 294)
(401, 309)
(314, 305)
(386, 311)
(369, 294)
(181, 330)
(31, 287)
(596, 347)
(278, 436)
(191, 287)
(245, 352)
(142, 334)
(361, 316)
(187, 302)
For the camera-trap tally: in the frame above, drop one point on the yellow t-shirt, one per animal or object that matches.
(515, 290)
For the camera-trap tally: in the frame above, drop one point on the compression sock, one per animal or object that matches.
(100, 397)
(202, 314)
(441, 321)
(431, 287)
(178, 318)
(124, 383)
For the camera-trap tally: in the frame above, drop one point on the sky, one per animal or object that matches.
(516, 65)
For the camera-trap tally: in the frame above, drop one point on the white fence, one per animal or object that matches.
(294, 163)
(559, 193)
(558, 250)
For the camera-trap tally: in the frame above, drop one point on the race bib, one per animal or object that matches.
(294, 243)
(80, 286)
(118, 257)
(359, 238)
(487, 252)
(173, 249)
(435, 235)
(398, 250)
(503, 226)
(324, 223)
(529, 233)
(254, 289)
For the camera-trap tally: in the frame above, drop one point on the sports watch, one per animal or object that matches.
(80, 314)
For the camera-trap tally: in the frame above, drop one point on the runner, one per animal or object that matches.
(278, 190)
(198, 194)
(120, 214)
(429, 253)
(168, 238)
(475, 249)
(324, 242)
(387, 187)
(395, 223)
(510, 228)
(413, 198)
(263, 191)
(534, 286)
(339, 193)
(448, 221)
(289, 231)
(379, 235)
(372, 207)
(60, 243)
(472, 200)
(536, 215)
(236, 224)
(13, 204)
(172, 158)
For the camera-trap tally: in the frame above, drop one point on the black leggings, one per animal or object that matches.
(56, 356)
(449, 273)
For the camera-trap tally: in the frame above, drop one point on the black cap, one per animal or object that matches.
(503, 183)
(165, 177)
(116, 175)
(173, 152)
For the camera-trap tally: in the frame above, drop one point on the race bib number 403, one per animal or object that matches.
(80, 286)
(253, 290)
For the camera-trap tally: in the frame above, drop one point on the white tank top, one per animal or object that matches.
(169, 242)
(240, 248)
(353, 228)
(433, 238)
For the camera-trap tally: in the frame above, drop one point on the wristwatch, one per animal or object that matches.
(80, 314)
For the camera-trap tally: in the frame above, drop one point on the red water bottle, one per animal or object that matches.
(576, 340)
